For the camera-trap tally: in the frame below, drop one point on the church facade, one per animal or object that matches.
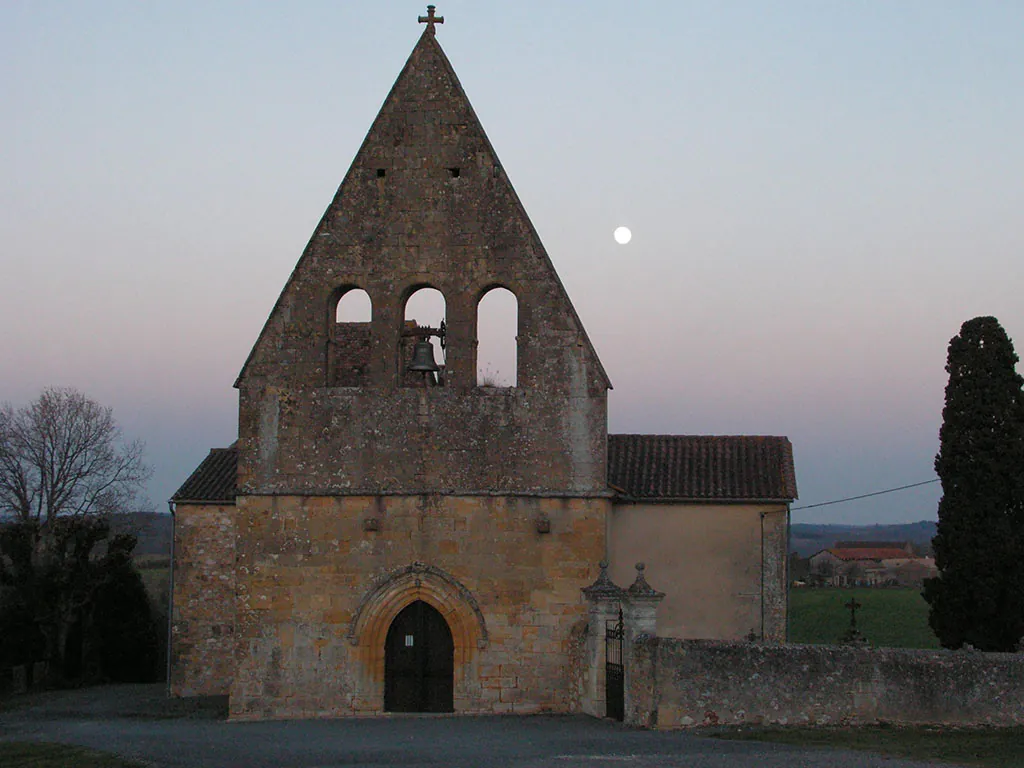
(388, 535)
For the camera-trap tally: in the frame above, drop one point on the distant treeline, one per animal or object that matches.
(151, 529)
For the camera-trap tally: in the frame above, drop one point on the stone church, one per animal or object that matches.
(386, 534)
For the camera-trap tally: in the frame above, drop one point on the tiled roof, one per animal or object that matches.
(872, 553)
(214, 479)
(701, 468)
(640, 468)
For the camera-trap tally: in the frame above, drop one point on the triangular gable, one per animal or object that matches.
(395, 211)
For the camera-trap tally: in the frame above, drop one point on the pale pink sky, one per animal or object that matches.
(819, 193)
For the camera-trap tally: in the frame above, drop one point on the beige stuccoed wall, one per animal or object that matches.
(707, 559)
(317, 591)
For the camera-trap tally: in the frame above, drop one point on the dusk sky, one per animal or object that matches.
(820, 193)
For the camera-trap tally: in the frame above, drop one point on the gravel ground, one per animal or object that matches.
(138, 721)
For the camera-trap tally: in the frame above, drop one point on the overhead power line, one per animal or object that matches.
(866, 495)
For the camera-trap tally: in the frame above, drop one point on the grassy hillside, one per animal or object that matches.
(889, 618)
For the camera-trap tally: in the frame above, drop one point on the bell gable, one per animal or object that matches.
(331, 407)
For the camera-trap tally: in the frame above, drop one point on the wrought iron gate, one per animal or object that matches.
(614, 677)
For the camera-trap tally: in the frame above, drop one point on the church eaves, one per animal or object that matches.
(213, 481)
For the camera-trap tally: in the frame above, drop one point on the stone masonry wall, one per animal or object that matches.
(349, 354)
(678, 683)
(364, 441)
(320, 579)
(202, 629)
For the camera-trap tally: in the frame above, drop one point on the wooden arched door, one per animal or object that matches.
(419, 661)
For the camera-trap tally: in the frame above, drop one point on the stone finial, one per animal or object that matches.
(640, 588)
(603, 587)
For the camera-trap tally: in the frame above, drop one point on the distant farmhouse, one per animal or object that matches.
(871, 564)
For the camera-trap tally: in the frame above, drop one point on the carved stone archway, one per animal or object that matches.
(383, 602)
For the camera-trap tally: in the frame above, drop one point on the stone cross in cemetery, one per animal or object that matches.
(853, 605)
(853, 635)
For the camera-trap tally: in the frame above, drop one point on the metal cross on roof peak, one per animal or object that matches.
(430, 19)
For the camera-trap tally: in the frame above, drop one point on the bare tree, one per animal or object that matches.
(63, 455)
(64, 467)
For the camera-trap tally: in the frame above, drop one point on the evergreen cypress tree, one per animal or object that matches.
(978, 597)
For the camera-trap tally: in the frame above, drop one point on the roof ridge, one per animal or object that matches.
(696, 467)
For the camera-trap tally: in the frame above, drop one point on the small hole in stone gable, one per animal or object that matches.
(381, 173)
(454, 172)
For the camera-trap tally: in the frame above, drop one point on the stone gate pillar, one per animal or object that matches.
(606, 600)
(639, 647)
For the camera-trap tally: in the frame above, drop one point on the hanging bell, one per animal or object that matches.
(423, 357)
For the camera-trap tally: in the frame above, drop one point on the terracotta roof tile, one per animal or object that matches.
(905, 545)
(213, 481)
(640, 467)
(701, 467)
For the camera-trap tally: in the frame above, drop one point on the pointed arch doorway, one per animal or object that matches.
(419, 661)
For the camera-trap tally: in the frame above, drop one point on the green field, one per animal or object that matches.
(156, 581)
(888, 618)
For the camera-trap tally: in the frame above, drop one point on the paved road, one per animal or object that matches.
(133, 726)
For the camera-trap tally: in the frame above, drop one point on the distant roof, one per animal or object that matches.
(661, 468)
(872, 545)
(866, 553)
(213, 481)
(668, 468)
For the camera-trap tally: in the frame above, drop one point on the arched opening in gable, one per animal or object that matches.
(497, 350)
(350, 332)
(354, 306)
(423, 324)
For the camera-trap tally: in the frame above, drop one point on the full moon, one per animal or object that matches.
(623, 235)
